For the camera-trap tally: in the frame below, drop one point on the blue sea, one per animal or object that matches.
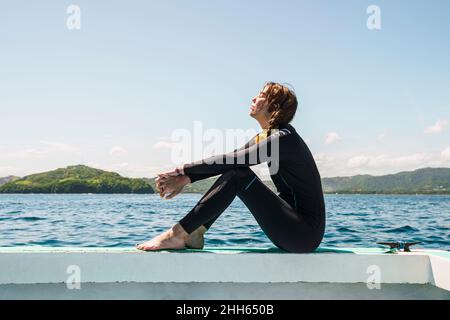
(123, 220)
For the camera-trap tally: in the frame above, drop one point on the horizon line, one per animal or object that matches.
(144, 177)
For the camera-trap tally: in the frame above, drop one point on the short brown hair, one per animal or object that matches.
(282, 104)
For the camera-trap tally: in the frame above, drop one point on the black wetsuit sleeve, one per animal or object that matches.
(200, 176)
(252, 154)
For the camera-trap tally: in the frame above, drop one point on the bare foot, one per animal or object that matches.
(174, 238)
(196, 239)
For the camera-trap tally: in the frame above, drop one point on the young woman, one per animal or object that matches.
(293, 219)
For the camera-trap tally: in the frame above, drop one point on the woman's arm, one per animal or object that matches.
(249, 155)
(200, 176)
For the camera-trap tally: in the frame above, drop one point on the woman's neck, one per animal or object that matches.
(264, 123)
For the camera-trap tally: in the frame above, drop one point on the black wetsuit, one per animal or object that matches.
(293, 219)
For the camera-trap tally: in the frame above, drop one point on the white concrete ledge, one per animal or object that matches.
(28, 266)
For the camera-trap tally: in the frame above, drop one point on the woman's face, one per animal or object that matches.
(259, 104)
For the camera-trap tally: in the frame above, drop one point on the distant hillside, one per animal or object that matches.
(83, 179)
(76, 179)
(7, 179)
(425, 180)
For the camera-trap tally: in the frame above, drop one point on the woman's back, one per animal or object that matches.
(297, 178)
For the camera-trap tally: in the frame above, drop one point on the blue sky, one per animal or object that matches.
(110, 94)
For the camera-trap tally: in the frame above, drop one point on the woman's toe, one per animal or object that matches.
(142, 246)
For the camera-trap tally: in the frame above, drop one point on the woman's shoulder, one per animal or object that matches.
(286, 129)
(282, 130)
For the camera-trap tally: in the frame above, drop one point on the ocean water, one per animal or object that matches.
(124, 220)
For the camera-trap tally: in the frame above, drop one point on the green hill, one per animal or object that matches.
(7, 179)
(425, 180)
(83, 179)
(76, 179)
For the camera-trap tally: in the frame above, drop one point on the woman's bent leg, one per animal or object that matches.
(279, 221)
(212, 204)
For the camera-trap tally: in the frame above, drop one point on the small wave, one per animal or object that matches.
(402, 229)
(105, 224)
(435, 238)
(241, 240)
(117, 244)
(49, 242)
(344, 229)
(29, 218)
(441, 228)
(353, 240)
(431, 243)
(120, 238)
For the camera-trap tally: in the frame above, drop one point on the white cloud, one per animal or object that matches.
(119, 166)
(332, 137)
(118, 151)
(378, 164)
(162, 145)
(59, 146)
(384, 161)
(43, 150)
(358, 161)
(323, 157)
(133, 170)
(7, 171)
(445, 154)
(29, 153)
(439, 126)
(382, 136)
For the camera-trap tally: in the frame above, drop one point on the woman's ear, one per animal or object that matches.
(271, 108)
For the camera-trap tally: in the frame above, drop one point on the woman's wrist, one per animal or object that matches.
(188, 179)
(180, 170)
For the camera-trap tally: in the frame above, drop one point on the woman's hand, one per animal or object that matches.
(171, 183)
(175, 172)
